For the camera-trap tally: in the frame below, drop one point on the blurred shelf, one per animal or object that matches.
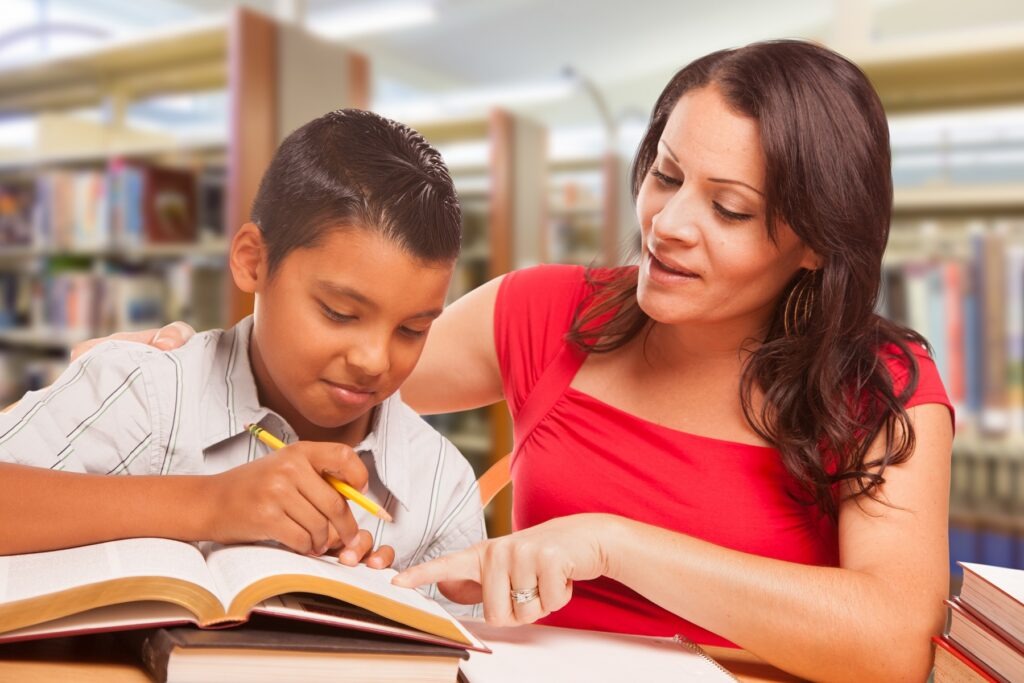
(183, 59)
(41, 338)
(580, 163)
(475, 253)
(30, 160)
(471, 442)
(150, 251)
(999, 520)
(934, 199)
(587, 210)
(953, 69)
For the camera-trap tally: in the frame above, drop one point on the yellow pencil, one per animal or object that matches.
(342, 488)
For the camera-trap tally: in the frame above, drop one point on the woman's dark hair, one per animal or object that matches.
(826, 392)
(354, 169)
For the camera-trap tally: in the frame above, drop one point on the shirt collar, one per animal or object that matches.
(231, 401)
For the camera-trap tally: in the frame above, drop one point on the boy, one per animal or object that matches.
(356, 228)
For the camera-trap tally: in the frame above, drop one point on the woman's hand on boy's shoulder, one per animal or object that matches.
(166, 338)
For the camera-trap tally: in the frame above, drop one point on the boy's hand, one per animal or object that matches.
(283, 497)
(166, 338)
(362, 551)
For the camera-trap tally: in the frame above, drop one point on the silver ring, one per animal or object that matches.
(525, 595)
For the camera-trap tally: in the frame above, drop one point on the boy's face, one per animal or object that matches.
(339, 327)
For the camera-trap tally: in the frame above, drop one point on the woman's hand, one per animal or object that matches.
(166, 338)
(547, 557)
(283, 497)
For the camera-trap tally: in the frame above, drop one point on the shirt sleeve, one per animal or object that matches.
(929, 389)
(96, 418)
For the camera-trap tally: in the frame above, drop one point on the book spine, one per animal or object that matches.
(156, 653)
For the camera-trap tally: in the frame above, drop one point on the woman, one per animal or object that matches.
(724, 442)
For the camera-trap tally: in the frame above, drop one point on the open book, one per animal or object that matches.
(146, 582)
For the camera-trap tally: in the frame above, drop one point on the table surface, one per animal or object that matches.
(103, 658)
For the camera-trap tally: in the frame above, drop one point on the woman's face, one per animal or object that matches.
(706, 255)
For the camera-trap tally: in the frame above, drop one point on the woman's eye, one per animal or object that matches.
(731, 215)
(334, 315)
(665, 180)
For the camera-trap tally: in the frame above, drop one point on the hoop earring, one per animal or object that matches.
(799, 305)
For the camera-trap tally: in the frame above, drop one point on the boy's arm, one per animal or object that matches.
(64, 447)
(46, 510)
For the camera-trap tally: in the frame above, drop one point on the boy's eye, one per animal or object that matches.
(411, 333)
(334, 315)
(665, 180)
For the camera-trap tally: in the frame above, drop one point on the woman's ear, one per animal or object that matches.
(247, 259)
(811, 260)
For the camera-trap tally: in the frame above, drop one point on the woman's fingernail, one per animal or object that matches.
(349, 556)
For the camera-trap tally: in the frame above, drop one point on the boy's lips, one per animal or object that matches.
(349, 394)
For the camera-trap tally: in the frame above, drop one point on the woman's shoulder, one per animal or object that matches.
(915, 362)
(547, 288)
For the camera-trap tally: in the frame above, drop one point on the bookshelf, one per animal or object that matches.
(73, 264)
(501, 186)
(954, 271)
(591, 210)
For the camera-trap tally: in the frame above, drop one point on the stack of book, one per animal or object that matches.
(985, 637)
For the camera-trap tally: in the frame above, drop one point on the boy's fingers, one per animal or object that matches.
(341, 462)
(461, 565)
(381, 558)
(331, 504)
(354, 551)
(307, 516)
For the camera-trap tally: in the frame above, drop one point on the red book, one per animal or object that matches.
(954, 666)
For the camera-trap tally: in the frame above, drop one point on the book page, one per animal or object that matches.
(238, 566)
(542, 654)
(36, 574)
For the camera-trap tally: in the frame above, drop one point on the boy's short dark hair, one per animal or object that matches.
(353, 168)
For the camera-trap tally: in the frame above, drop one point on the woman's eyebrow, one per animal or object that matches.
(727, 181)
(735, 182)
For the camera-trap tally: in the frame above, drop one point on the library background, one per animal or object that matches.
(133, 136)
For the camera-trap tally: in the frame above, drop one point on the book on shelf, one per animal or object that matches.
(262, 651)
(150, 582)
(954, 666)
(18, 215)
(986, 621)
(152, 204)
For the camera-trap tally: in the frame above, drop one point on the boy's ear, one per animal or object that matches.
(248, 259)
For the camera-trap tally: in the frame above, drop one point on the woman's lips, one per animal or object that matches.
(668, 272)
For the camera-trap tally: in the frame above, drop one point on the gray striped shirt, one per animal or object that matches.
(130, 409)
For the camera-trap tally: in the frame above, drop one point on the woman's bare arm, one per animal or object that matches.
(459, 366)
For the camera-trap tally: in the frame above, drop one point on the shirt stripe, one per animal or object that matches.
(51, 395)
(127, 460)
(172, 437)
(107, 402)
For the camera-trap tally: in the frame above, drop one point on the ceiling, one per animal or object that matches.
(627, 50)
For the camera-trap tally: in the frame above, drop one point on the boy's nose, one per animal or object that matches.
(371, 359)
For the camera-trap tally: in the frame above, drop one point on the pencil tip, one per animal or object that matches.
(385, 516)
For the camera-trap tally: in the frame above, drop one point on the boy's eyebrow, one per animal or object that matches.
(355, 294)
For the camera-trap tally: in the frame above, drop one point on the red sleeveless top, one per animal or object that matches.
(572, 450)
